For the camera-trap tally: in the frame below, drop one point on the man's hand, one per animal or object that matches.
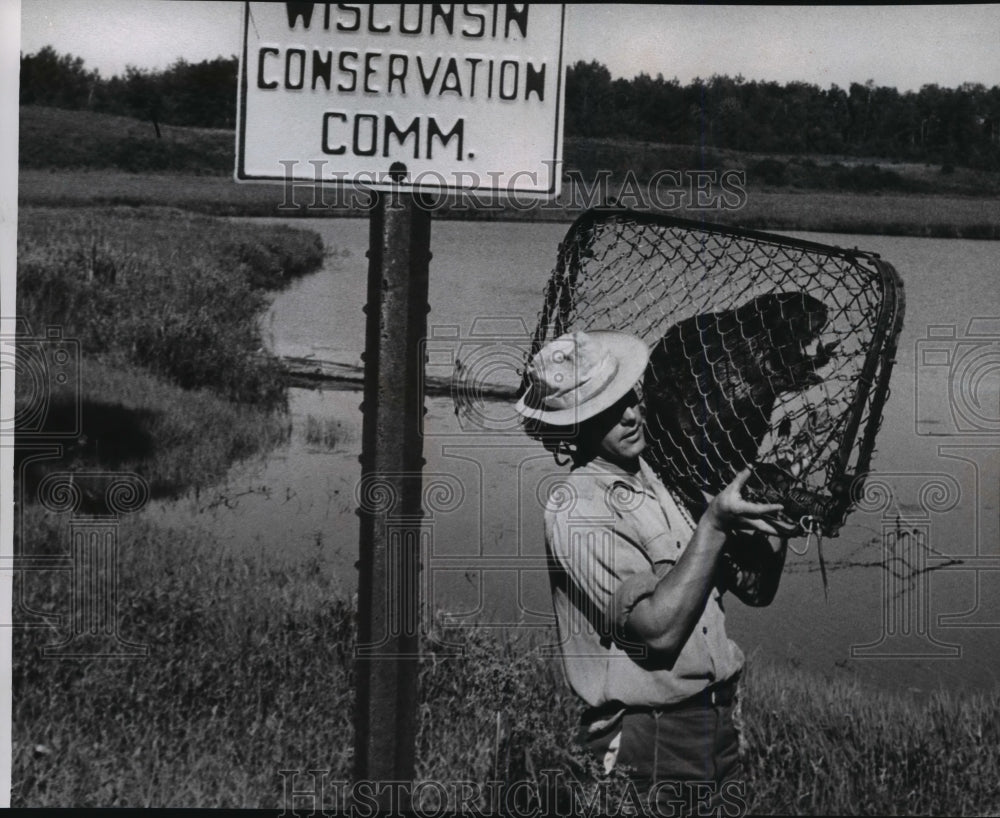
(663, 621)
(728, 511)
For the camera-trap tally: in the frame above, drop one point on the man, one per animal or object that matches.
(635, 581)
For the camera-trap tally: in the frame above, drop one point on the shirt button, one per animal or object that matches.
(704, 629)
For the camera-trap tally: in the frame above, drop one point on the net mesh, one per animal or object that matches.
(765, 350)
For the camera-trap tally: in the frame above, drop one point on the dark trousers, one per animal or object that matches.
(681, 762)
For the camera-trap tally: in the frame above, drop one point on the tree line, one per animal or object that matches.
(947, 126)
(201, 94)
(957, 126)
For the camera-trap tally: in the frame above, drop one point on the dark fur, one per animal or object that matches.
(712, 382)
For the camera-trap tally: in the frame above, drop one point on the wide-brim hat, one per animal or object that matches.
(580, 374)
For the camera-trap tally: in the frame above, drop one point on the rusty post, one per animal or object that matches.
(390, 492)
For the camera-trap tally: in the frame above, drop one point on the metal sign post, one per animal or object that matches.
(405, 100)
(391, 464)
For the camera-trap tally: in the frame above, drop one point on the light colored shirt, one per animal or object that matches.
(611, 536)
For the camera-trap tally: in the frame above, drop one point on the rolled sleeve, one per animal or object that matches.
(607, 551)
(631, 591)
(608, 568)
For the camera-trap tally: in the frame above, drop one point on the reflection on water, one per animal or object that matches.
(297, 499)
(914, 598)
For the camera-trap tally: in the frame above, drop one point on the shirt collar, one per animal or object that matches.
(605, 470)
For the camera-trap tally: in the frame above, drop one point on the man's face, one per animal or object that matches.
(617, 431)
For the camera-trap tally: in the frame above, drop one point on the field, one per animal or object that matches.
(79, 158)
(250, 672)
(249, 669)
(167, 376)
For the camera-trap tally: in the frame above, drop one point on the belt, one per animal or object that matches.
(722, 694)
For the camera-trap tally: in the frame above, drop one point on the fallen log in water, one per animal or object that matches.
(314, 373)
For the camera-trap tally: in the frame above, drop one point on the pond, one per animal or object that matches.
(922, 615)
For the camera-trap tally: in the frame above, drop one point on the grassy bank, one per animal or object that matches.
(130, 420)
(177, 294)
(250, 672)
(73, 158)
(165, 374)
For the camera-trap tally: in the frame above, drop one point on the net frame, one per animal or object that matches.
(690, 267)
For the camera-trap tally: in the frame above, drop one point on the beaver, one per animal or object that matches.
(712, 381)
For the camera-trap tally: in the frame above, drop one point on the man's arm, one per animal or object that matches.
(751, 567)
(664, 619)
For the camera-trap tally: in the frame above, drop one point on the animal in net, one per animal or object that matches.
(713, 380)
(765, 351)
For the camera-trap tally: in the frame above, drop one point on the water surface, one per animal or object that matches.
(906, 619)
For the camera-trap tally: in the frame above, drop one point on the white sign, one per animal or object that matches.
(442, 97)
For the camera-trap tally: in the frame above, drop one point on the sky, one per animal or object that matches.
(899, 46)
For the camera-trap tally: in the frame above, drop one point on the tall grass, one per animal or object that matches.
(177, 294)
(246, 674)
(171, 381)
(837, 747)
(250, 672)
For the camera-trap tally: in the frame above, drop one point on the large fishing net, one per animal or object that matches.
(765, 351)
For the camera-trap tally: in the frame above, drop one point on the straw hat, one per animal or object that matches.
(580, 374)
